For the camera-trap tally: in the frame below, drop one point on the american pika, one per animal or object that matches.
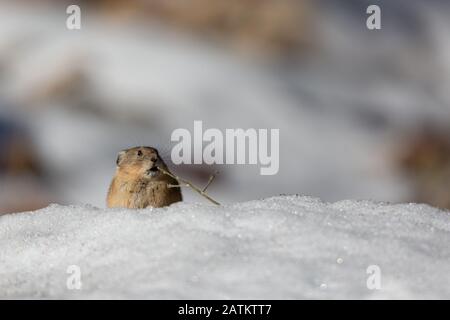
(138, 183)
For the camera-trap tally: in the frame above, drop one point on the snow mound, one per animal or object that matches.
(288, 247)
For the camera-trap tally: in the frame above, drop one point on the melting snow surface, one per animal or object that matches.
(289, 247)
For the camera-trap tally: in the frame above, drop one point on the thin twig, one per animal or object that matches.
(189, 184)
(211, 178)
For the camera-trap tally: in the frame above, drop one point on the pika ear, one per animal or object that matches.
(120, 158)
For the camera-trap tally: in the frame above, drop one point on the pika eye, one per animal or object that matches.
(139, 153)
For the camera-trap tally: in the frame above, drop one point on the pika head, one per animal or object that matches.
(140, 162)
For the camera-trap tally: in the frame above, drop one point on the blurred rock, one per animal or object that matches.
(23, 193)
(259, 26)
(22, 185)
(426, 160)
(17, 156)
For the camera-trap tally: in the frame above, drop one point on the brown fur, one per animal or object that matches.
(136, 186)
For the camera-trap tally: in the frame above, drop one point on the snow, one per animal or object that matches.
(289, 247)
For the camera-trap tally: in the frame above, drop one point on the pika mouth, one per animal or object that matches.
(152, 171)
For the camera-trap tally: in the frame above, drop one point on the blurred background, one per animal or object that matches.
(363, 114)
